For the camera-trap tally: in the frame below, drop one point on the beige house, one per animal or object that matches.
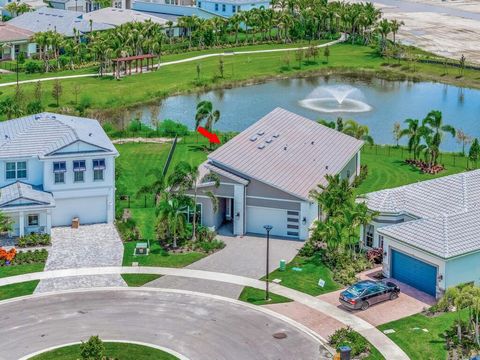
(14, 40)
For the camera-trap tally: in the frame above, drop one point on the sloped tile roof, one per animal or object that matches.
(448, 212)
(42, 134)
(296, 152)
(19, 190)
(12, 33)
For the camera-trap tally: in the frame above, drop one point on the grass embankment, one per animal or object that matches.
(417, 343)
(20, 289)
(120, 351)
(136, 280)
(257, 297)
(110, 94)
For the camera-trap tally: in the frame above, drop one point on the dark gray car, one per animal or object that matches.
(368, 292)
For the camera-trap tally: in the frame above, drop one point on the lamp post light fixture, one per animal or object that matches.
(268, 228)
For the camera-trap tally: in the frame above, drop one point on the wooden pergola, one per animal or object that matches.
(128, 60)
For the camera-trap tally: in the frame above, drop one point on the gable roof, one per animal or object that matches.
(42, 134)
(51, 19)
(9, 33)
(296, 152)
(22, 191)
(448, 212)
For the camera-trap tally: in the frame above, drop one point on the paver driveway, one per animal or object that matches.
(90, 245)
(243, 256)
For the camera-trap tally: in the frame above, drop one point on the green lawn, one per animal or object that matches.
(20, 269)
(108, 93)
(418, 344)
(159, 257)
(118, 351)
(306, 280)
(257, 297)
(136, 280)
(386, 168)
(20, 289)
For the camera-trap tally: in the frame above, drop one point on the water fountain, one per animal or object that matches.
(336, 98)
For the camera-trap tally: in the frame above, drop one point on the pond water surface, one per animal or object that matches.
(373, 102)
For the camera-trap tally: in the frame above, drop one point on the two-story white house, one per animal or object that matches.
(54, 168)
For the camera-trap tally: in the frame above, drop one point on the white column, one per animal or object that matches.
(21, 223)
(110, 207)
(239, 210)
(48, 225)
(358, 163)
(12, 52)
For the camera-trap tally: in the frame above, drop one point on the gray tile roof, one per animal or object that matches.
(61, 21)
(116, 17)
(445, 236)
(446, 195)
(9, 33)
(41, 134)
(27, 192)
(448, 212)
(297, 152)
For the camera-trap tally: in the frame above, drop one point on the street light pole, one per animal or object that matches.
(268, 228)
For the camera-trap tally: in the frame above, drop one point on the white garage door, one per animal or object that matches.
(91, 210)
(257, 217)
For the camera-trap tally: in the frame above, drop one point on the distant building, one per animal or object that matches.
(72, 5)
(116, 17)
(14, 40)
(228, 8)
(62, 21)
(170, 11)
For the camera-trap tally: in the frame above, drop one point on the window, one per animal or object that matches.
(188, 213)
(224, 7)
(216, 7)
(16, 170)
(369, 229)
(79, 170)
(33, 220)
(234, 8)
(98, 169)
(200, 4)
(380, 241)
(59, 169)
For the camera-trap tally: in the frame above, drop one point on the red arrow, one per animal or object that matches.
(212, 137)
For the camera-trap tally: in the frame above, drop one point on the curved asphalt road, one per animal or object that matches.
(196, 326)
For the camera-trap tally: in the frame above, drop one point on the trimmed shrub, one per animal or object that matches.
(170, 128)
(31, 257)
(34, 240)
(348, 337)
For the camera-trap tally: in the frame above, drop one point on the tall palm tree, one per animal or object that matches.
(394, 27)
(206, 114)
(384, 28)
(332, 196)
(170, 213)
(186, 177)
(434, 121)
(414, 134)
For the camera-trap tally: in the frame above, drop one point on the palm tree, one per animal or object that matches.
(206, 113)
(186, 177)
(360, 132)
(394, 27)
(6, 223)
(414, 135)
(170, 213)
(384, 29)
(333, 196)
(434, 121)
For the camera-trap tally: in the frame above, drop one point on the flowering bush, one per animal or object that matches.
(7, 256)
(375, 255)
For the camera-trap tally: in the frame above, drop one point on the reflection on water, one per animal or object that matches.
(387, 101)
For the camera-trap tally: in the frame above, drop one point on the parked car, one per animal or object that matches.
(368, 292)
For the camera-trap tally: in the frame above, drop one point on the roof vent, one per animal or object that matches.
(268, 141)
(313, 142)
(285, 147)
(253, 138)
(37, 117)
(90, 134)
(261, 146)
(260, 133)
(276, 135)
(326, 167)
(54, 117)
(7, 137)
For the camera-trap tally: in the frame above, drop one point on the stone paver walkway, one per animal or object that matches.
(88, 246)
(244, 256)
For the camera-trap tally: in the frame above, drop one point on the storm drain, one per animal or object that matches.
(280, 335)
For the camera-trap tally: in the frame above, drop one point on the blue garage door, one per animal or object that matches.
(414, 272)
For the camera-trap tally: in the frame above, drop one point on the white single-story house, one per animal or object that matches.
(429, 232)
(267, 171)
(116, 17)
(14, 40)
(55, 168)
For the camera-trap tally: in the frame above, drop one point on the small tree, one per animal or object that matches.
(462, 62)
(76, 92)
(326, 52)
(221, 66)
(313, 52)
(299, 54)
(397, 132)
(474, 153)
(38, 91)
(57, 91)
(198, 72)
(463, 139)
(93, 349)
